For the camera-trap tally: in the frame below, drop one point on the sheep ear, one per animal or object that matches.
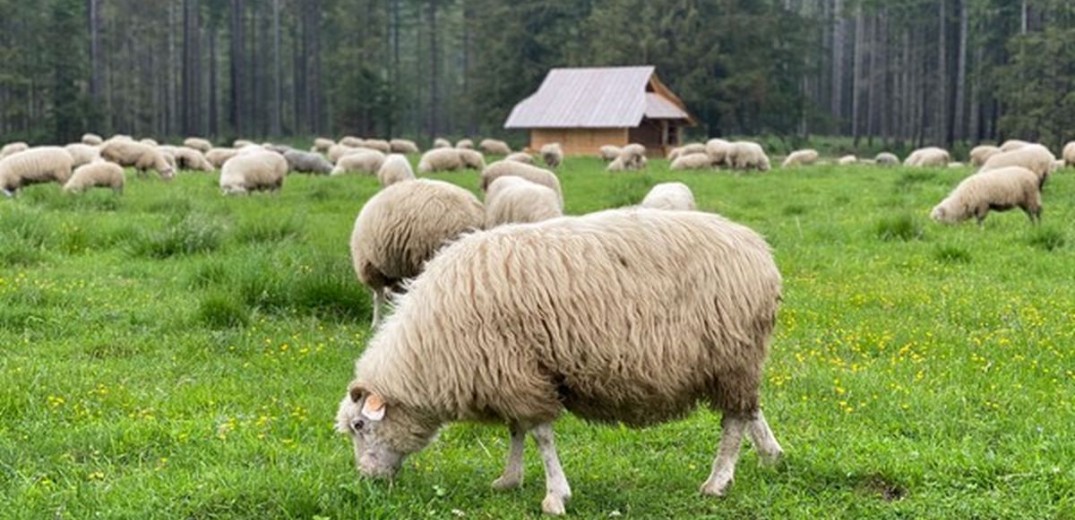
(356, 392)
(374, 407)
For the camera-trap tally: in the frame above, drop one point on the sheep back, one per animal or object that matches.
(670, 196)
(34, 166)
(97, 174)
(531, 173)
(260, 170)
(396, 168)
(440, 160)
(512, 199)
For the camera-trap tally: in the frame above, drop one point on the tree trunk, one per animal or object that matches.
(943, 134)
(856, 75)
(434, 71)
(960, 123)
(278, 74)
(237, 68)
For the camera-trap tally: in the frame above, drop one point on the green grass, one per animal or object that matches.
(172, 353)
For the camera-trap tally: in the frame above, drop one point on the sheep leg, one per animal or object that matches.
(378, 302)
(731, 439)
(762, 437)
(557, 490)
(513, 469)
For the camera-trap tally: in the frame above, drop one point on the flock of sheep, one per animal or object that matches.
(505, 310)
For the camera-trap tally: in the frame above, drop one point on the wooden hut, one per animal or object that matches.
(586, 108)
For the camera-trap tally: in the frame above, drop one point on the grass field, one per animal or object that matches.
(175, 354)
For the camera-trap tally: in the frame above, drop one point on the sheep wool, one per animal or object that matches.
(148, 141)
(141, 156)
(1068, 154)
(378, 144)
(218, 156)
(259, 170)
(522, 157)
(629, 316)
(930, 157)
(440, 160)
(472, 159)
(847, 160)
(1033, 157)
(494, 147)
(336, 151)
(998, 190)
(517, 169)
(396, 168)
(800, 158)
(552, 154)
(609, 152)
(82, 153)
(464, 144)
(197, 143)
(886, 159)
(322, 144)
(441, 142)
(34, 166)
(1012, 145)
(692, 161)
(670, 196)
(97, 174)
(745, 155)
(187, 158)
(686, 149)
(307, 162)
(403, 146)
(632, 157)
(361, 160)
(513, 199)
(718, 149)
(401, 227)
(13, 148)
(980, 154)
(351, 141)
(242, 143)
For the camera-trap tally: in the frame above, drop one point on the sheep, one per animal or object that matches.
(120, 137)
(254, 171)
(980, 154)
(401, 227)
(956, 164)
(629, 316)
(800, 158)
(99, 173)
(91, 139)
(718, 149)
(517, 169)
(847, 160)
(351, 141)
(464, 144)
(552, 154)
(441, 142)
(693, 161)
(338, 150)
(522, 157)
(187, 158)
(745, 155)
(141, 156)
(494, 147)
(33, 166)
(440, 160)
(82, 154)
(670, 196)
(362, 160)
(1068, 154)
(378, 144)
(928, 157)
(242, 143)
(218, 156)
(1059, 164)
(13, 148)
(395, 169)
(1012, 145)
(148, 141)
(403, 146)
(1033, 157)
(686, 149)
(307, 162)
(197, 143)
(998, 190)
(886, 159)
(632, 157)
(609, 152)
(512, 199)
(472, 159)
(322, 144)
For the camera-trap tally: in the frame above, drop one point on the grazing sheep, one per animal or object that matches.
(260, 170)
(800, 158)
(718, 149)
(472, 159)
(609, 152)
(440, 160)
(34, 166)
(307, 162)
(197, 143)
(441, 142)
(97, 174)
(218, 156)
(1033, 157)
(339, 150)
(632, 157)
(464, 144)
(1059, 164)
(494, 147)
(517, 169)
(522, 157)
(378, 144)
(512, 199)
(395, 169)
(82, 153)
(745, 155)
(1012, 145)
(242, 143)
(886, 159)
(91, 139)
(998, 190)
(847, 160)
(686, 149)
(980, 154)
(141, 156)
(552, 154)
(692, 161)
(1068, 154)
(630, 316)
(362, 160)
(351, 141)
(322, 144)
(670, 196)
(120, 137)
(401, 227)
(13, 148)
(403, 146)
(187, 158)
(931, 157)
(148, 141)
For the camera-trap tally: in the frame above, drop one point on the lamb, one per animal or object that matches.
(886, 159)
(33, 166)
(718, 149)
(1068, 154)
(522, 157)
(552, 154)
(670, 196)
(980, 154)
(1033, 157)
(472, 159)
(440, 160)
(999, 190)
(307, 162)
(91, 139)
(254, 171)
(632, 157)
(403, 146)
(629, 316)
(99, 173)
(512, 199)
(517, 169)
(464, 144)
(441, 142)
(800, 158)
(745, 155)
(378, 144)
(187, 158)
(847, 160)
(198, 143)
(395, 169)
(82, 154)
(13, 148)
(218, 156)
(141, 156)
(686, 149)
(693, 161)
(362, 160)
(609, 152)
(322, 144)
(1012, 145)
(928, 157)
(401, 227)
(494, 147)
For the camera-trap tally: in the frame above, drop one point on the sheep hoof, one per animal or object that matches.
(505, 482)
(716, 486)
(553, 505)
(771, 458)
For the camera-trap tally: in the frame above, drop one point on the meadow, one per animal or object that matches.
(172, 353)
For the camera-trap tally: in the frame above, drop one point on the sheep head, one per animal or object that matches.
(382, 433)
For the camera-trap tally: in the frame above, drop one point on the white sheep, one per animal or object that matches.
(670, 196)
(339, 150)
(361, 160)
(82, 153)
(847, 160)
(307, 162)
(517, 169)
(718, 149)
(692, 161)
(627, 317)
(198, 143)
(91, 139)
(930, 157)
(13, 148)
(396, 168)
(149, 141)
(187, 158)
(494, 147)
(1033, 157)
(33, 166)
(1068, 154)
(440, 160)
(322, 144)
(259, 170)
(522, 157)
(403, 146)
(745, 155)
(99, 173)
(997, 190)
(886, 159)
(800, 158)
(441, 142)
(686, 149)
(218, 156)
(378, 144)
(1012, 145)
(401, 227)
(512, 199)
(632, 157)
(552, 154)
(609, 152)
(472, 159)
(351, 141)
(242, 143)
(141, 156)
(464, 144)
(980, 154)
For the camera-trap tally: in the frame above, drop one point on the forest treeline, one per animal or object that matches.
(900, 71)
